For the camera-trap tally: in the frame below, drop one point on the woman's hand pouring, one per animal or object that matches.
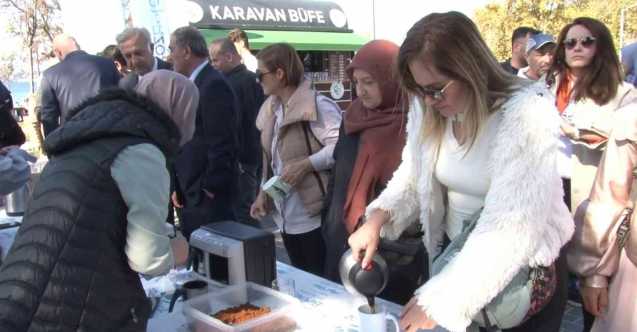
(364, 241)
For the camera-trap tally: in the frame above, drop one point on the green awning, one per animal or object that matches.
(301, 40)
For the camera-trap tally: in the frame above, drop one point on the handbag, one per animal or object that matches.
(530, 290)
(406, 259)
(625, 238)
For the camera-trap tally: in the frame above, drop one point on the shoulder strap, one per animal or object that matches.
(308, 145)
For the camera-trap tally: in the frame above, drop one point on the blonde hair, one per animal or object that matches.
(452, 44)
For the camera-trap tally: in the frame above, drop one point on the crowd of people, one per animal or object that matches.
(481, 183)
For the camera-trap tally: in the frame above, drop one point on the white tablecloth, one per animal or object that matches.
(325, 306)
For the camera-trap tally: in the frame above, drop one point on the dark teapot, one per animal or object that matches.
(357, 280)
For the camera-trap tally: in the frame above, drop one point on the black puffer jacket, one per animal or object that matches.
(67, 269)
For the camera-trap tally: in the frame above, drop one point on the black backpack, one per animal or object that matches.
(6, 102)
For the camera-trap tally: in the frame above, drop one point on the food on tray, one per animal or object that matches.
(240, 314)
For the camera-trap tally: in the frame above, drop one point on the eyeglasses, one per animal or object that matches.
(260, 75)
(435, 94)
(586, 42)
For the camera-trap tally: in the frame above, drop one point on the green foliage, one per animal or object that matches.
(497, 21)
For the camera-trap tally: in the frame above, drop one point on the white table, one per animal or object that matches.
(325, 306)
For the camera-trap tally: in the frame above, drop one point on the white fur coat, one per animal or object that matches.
(524, 220)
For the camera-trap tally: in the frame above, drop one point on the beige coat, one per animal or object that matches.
(595, 251)
(590, 116)
(293, 140)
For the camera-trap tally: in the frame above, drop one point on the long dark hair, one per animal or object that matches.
(604, 74)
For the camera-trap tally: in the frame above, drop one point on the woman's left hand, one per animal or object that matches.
(414, 318)
(294, 171)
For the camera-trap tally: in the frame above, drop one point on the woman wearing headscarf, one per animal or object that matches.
(97, 215)
(367, 153)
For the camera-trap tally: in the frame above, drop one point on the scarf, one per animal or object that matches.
(381, 131)
(563, 97)
(176, 95)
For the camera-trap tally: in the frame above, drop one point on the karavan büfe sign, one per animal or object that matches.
(268, 15)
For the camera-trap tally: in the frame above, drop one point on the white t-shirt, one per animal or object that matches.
(465, 174)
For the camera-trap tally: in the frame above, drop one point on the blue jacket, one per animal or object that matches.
(75, 79)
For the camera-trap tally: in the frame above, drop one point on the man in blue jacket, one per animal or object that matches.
(207, 166)
(225, 58)
(76, 78)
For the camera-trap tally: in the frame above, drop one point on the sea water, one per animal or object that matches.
(20, 90)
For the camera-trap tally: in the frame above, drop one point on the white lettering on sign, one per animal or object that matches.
(227, 13)
(302, 15)
(269, 15)
(280, 15)
(319, 17)
(214, 12)
(294, 17)
(238, 13)
(251, 15)
(260, 13)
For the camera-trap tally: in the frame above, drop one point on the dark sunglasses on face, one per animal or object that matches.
(260, 75)
(435, 94)
(586, 42)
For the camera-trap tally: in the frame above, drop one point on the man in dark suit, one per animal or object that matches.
(225, 58)
(207, 166)
(137, 48)
(76, 78)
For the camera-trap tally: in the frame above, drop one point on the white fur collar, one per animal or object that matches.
(524, 221)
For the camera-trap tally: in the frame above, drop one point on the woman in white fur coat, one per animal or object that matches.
(477, 138)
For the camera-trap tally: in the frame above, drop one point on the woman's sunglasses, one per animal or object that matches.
(260, 75)
(435, 94)
(586, 42)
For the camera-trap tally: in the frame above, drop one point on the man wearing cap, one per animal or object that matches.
(518, 45)
(539, 56)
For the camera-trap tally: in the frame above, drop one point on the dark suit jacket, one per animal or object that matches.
(65, 85)
(249, 95)
(161, 64)
(209, 160)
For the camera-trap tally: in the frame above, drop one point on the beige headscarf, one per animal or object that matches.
(175, 94)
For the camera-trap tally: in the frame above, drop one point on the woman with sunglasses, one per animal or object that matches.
(586, 80)
(480, 147)
(299, 128)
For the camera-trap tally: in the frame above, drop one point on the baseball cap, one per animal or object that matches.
(538, 40)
